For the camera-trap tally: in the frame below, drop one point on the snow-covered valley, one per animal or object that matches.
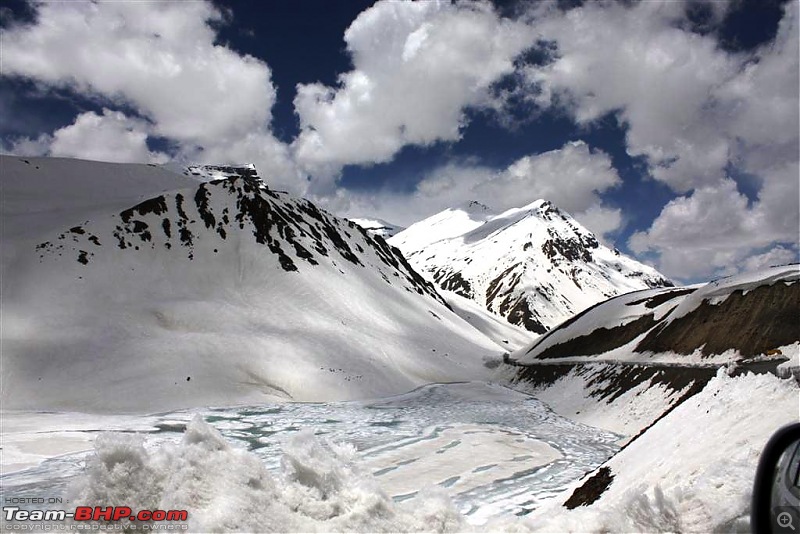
(227, 349)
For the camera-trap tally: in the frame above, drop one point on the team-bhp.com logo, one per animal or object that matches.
(97, 513)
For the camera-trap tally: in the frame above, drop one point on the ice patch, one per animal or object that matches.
(319, 487)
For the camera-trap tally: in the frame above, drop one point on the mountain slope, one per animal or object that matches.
(622, 364)
(536, 266)
(749, 314)
(378, 227)
(223, 292)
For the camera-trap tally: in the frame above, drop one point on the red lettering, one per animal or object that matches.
(121, 512)
(83, 513)
(177, 515)
(103, 513)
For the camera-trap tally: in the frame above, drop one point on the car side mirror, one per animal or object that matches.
(776, 490)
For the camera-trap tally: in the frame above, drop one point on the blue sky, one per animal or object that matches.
(670, 128)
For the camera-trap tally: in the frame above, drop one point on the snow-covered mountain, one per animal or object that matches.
(378, 227)
(536, 266)
(131, 288)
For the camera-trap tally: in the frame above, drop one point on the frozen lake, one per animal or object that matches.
(495, 451)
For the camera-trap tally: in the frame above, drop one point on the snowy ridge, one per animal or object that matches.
(536, 266)
(378, 227)
(726, 320)
(223, 292)
(505, 334)
(718, 291)
(221, 172)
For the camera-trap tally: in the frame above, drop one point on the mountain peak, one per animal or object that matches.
(222, 172)
(473, 207)
(533, 265)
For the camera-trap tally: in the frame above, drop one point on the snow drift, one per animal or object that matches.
(320, 488)
(221, 292)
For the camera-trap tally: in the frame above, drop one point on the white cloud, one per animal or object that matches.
(417, 67)
(779, 255)
(693, 110)
(158, 58)
(660, 78)
(714, 231)
(108, 137)
(571, 177)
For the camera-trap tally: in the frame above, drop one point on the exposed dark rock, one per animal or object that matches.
(753, 323)
(657, 300)
(600, 340)
(609, 380)
(453, 281)
(167, 227)
(572, 249)
(201, 199)
(157, 205)
(591, 490)
(520, 314)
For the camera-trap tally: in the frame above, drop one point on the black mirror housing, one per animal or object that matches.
(769, 514)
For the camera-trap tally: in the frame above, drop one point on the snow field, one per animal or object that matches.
(693, 470)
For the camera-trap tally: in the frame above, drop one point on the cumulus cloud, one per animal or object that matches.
(715, 230)
(108, 137)
(701, 117)
(694, 111)
(417, 67)
(158, 59)
(572, 177)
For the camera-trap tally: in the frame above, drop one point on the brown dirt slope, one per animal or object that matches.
(765, 318)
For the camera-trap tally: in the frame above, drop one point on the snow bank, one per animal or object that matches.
(319, 489)
(693, 470)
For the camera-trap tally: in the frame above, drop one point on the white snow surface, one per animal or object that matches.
(626, 308)
(536, 260)
(41, 195)
(692, 471)
(483, 451)
(164, 324)
(575, 396)
(614, 312)
(505, 334)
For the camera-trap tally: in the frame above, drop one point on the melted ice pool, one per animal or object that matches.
(494, 451)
